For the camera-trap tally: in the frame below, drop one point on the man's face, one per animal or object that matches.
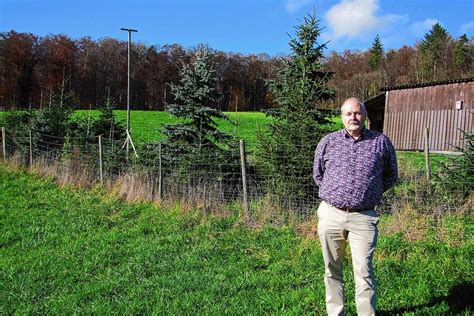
(353, 117)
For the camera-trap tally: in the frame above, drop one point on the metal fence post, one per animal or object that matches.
(427, 154)
(159, 172)
(4, 147)
(245, 205)
(31, 150)
(100, 160)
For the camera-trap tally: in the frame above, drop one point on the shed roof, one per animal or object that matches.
(427, 84)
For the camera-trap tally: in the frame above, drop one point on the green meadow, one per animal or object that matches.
(147, 125)
(71, 250)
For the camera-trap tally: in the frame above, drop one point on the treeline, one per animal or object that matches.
(436, 57)
(32, 68)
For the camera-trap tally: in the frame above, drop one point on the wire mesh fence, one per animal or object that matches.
(218, 179)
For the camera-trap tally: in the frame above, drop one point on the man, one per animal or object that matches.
(352, 168)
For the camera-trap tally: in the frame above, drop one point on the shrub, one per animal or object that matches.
(455, 180)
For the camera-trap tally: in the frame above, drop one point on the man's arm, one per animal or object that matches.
(318, 166)
(390, 172)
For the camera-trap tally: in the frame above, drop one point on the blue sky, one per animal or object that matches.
(245, 26)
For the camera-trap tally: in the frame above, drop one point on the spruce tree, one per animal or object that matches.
(195, 143)
(51, 124)
(433, 50)
(285, 152)
(376, 54)
(463, 52)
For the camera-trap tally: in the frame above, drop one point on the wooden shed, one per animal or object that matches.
(404, 112)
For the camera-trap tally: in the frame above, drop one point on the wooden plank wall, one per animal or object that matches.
(410, 111)
(441, 97)
(406, 129)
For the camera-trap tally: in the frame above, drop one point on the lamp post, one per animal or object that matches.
(128, 80)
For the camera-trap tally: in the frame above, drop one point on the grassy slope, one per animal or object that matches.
(64, 251)
(146, 123)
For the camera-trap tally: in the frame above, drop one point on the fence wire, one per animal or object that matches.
(213, 178)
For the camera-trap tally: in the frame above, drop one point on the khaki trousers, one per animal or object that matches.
(335, 228)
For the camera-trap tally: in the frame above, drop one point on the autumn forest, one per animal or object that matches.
(32, 68)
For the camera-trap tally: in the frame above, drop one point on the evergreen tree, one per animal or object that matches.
(51, 124)
(433, 50)
(84, 132)
(107, 124)
(285, 152)
(376, 54)
(195, 143)
(455, 178)
(462, 53)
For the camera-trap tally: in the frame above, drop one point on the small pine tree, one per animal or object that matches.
(285, 152)
(456, 175)
(376, 54)
(51, 124)
(84, 133)
(195, 143)
(18, 126)
(107, 124)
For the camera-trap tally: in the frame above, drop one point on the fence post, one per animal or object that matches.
(31, 150)
(4, 147)
(159, 172)
(100, 160)
(427, 154)
(245, 205)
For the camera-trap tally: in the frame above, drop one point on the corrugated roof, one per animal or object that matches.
(427, 84)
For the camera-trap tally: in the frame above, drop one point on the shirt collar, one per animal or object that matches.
(345, 134)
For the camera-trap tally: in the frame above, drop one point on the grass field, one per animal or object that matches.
(65, 251)
(146, 125)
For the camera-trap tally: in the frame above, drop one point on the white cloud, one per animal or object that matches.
(294, 5)
(350, 18)
(467, 27)
(420, 28)
(354, 24)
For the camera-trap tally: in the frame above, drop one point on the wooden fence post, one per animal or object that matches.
(4, 148)
(245, 205)
(100, 160)
(31, 150)
(427, 154)
(159, 172)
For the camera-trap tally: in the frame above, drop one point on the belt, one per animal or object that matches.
(350, 210)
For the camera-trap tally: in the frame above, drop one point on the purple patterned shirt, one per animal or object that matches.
(354, 173)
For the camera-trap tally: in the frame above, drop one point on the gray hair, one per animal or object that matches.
(361, 104)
